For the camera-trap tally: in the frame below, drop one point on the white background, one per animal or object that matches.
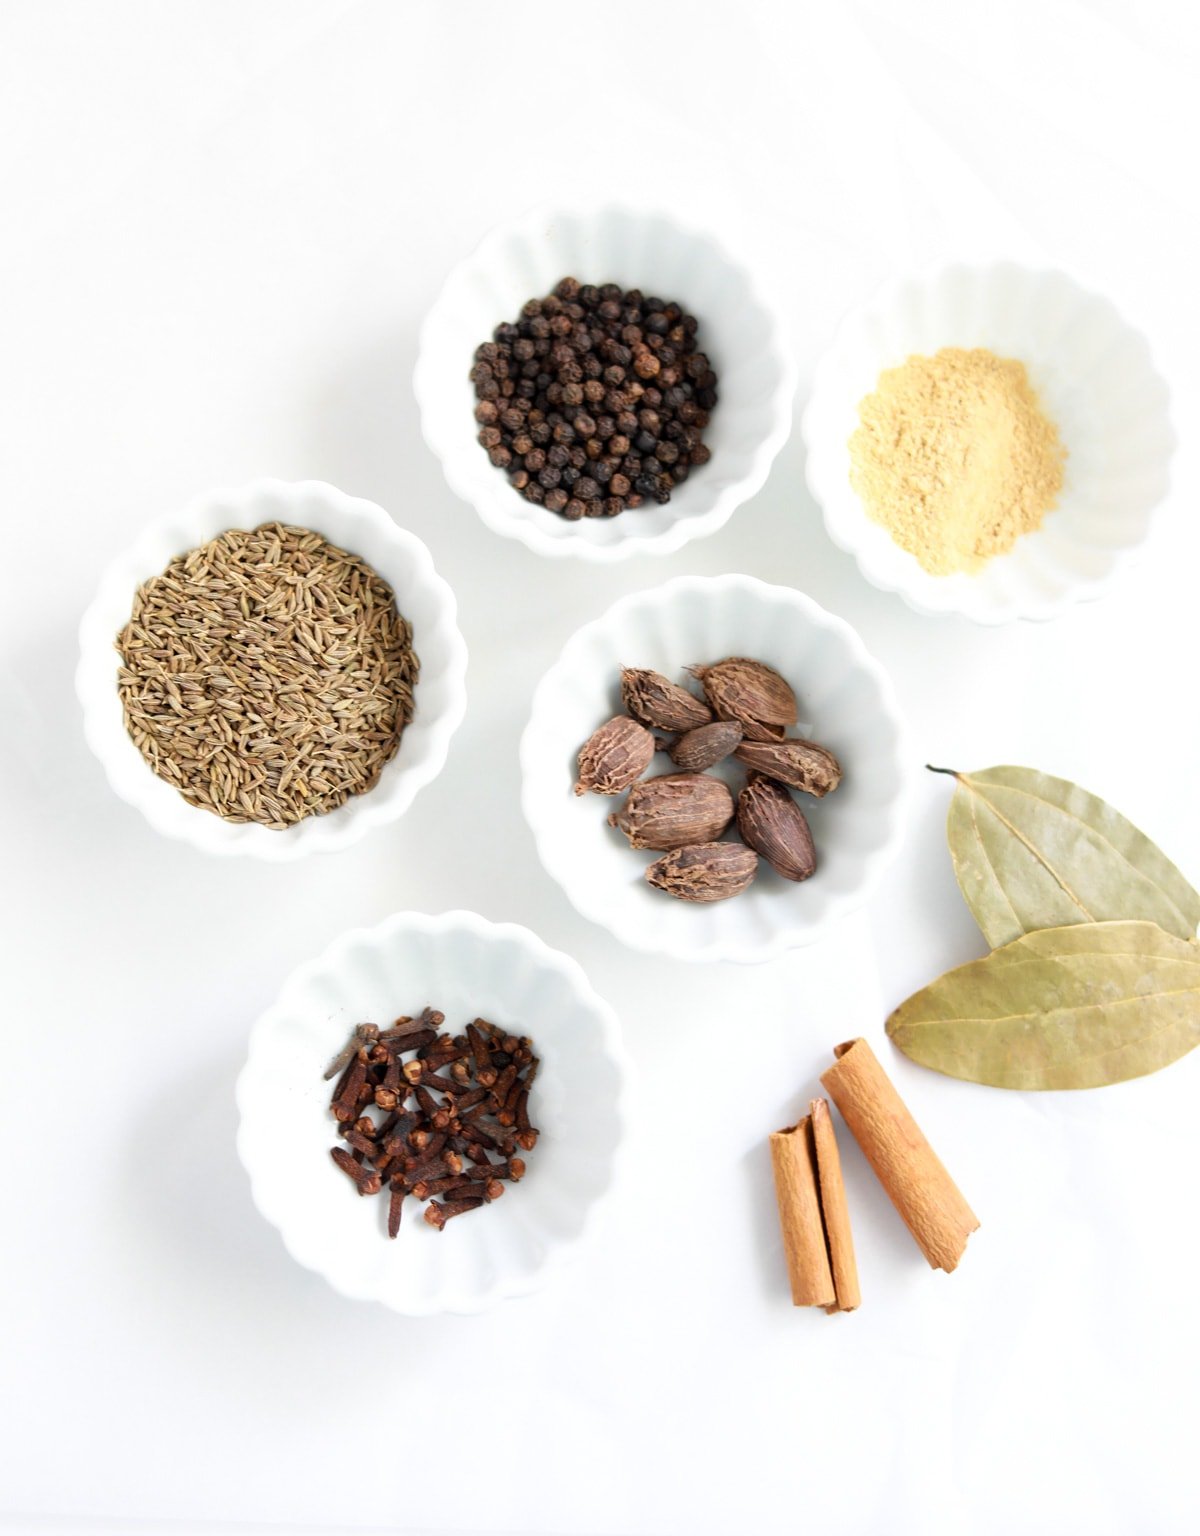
(222, 224)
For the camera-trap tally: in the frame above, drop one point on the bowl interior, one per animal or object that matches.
(845, 703)
(1096, 379)
(467, 968)
(421, 596)
(524, 260)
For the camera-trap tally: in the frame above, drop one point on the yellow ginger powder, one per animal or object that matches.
(955, 458)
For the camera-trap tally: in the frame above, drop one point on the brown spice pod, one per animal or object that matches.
(704, 871)
(771, 823)
(615, 755)
(927, 1198)
(793, 1161)
(658, 702)
(804, 765)
(706, 745)
(834, 1211)
(675, 810)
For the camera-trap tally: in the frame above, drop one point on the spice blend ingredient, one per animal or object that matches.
(813, 1215)
(1094, 974)
(771, 823)
(684, 814)
(1033, 851)
(954, 456)
(706, 746)
(661, 704)
(470, 1096)
(928, 1200)
(595, 399)
(674, 810)
(705, 871)
(267, 675)
(613, 756)
(751, 693)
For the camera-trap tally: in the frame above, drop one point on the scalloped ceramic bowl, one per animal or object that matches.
(467, 967)
(421, 595)
(524, 259)
(846, 701)
(1095, 375)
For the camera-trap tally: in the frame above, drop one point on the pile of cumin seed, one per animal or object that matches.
(267, 675)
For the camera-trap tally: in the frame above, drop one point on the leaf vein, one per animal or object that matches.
(1108, 843)
(1040, 858)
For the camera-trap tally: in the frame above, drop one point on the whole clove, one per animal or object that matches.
(445, 1144)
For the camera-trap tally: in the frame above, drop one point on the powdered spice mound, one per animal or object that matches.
(955, 457)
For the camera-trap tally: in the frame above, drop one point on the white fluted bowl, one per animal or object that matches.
(738, 330)
(425, 600)
(1093, 373)
(467, 967)
(846, 702)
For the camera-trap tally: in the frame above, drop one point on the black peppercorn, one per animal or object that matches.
(594, 400)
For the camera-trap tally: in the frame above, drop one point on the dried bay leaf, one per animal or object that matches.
(1074, 1007)
(1031, 851)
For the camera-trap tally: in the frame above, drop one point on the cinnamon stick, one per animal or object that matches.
(793, 1161)
(927, 1198)
(834, 1212)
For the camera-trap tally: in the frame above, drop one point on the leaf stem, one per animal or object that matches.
(953, 772)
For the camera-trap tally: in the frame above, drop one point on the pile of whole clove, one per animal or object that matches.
(594, 399)
(445, 1110)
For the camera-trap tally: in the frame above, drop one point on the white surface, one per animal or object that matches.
(467, 968)
(1094, 375)
(846, 703)
(224, 223)
(349, 522)
(742, 334)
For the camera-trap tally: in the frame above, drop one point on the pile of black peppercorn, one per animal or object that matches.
(595, 400)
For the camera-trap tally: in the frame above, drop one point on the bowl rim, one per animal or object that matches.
(786, 937)
(842, 532)
(493, 510)
(439, 925)
(204, 830)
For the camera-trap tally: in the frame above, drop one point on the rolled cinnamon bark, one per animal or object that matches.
(794, 1165)
(917, 1184)
(834, 1212)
